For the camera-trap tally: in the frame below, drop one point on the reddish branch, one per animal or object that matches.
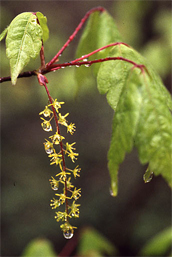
(77, 62)
(55, 58)
(51, 66)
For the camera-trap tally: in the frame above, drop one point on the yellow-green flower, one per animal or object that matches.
(56, 158)
(56, 138)
(73, 155)
(62, 198)
(76, 193)
(46, 112)
(69, 147)
(63, 174)
(74, 210)
(76, 170)
(46, 125)
(56, 104)
(69, 184)
(71, 128)
(62, 119)
(61, 216)
(55, 203)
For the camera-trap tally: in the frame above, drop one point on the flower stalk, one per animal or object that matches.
(69, 193)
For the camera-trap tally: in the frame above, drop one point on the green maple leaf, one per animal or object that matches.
(142, 114)
(24, 40)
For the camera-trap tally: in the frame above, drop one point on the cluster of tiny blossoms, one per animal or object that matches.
(70, 194)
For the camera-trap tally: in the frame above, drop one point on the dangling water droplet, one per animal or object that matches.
(87, 65)
(62, 67)
(48, 147)
(77, 66)
(85, 60)
(46, 126)
(75, 215)
(113, 189)
(147, 177)
(68, 234)
(54, 187)
(110, 191)
(49, 150)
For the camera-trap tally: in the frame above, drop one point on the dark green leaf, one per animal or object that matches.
(23, 42)
(142, 116)
(43, 23)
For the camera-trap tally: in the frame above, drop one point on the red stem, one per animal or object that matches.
(42, 57)
(83, 20)
(61, 145)
(100, 49)
(77, 63)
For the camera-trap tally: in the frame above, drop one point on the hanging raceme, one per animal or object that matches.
(57, 150)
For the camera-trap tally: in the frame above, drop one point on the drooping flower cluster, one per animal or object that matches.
(70, 194)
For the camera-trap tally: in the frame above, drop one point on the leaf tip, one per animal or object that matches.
(114, 189)
(3, 34)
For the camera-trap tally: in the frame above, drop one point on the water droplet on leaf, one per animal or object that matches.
(113, 189)
(68, 234)
(147, 177)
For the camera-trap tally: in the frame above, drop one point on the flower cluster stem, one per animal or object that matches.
(61, 145)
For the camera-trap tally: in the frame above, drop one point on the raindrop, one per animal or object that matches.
(77, 66)
(68, 234)
(54, 187)
(49, 150)
(87, 65)
(62, 67)
(113, 189)
(75, 215)
(48, 147)
(147, 177)
(111, 192)
(46, 126)
(85, 60)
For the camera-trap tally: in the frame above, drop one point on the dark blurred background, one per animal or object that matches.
(140, 210)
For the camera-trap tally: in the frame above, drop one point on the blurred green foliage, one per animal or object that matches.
(160, 245)
(39, 248)
(140, 211)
